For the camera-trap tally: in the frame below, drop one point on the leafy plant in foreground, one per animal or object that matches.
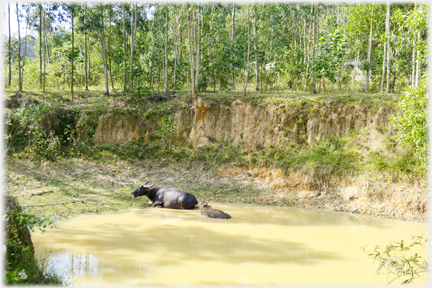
(394, 260)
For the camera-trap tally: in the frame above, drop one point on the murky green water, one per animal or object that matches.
(260, 245)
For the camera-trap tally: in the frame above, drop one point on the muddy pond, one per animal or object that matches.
(260, 245)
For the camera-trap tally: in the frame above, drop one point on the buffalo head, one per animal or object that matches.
(201, 205)
(143, 189)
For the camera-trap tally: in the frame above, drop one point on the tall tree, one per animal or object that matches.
(85, 48)
(133, 36)
(45, 53)
(256, 54)
(124, 46)
(191, 30)
(198, 46)
(369, 52)
(166, 51)
(72, 10)
(388, 46)
(386, 43)
(40, 44)
(20, 84)
(247, 57)
(176, 28)
(9, 49)
(233, 87)
(104, 56)
(314, 42)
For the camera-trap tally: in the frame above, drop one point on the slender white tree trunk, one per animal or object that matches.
(72, 61)
(85, 48)
(104, 51)
(10, 51)
(124, 46)
(166, 51)
(256, 57)
(233, 39)
(314, 25)
(19, 52)
(133, 36)
(418, 63)
(175, 51)
(40, 45)
(198, 49)
(369, 52)
(191, 27)
(388, 47)
(247, 61)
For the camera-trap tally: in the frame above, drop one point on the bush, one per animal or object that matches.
(411, 121)
(21, 267)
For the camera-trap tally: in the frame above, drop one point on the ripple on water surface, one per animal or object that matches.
(260, 245)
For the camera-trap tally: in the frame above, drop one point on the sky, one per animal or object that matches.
(13, 20)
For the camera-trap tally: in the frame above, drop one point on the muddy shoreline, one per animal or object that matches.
(112, 182)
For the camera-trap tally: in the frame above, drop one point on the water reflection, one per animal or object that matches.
(260, 245)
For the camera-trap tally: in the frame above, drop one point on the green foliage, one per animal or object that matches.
(330, 62)
(399, 261)
(411, 121)
(166, 130)
(20, 265)
(25, 131)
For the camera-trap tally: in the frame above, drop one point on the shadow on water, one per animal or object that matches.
(176, 244)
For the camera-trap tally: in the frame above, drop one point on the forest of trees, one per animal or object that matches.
(313, 47)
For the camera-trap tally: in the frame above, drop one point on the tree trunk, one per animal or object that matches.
(247, 61)
(418, 64)
(198, 51)
(85, 48)
(355, 68)
(393, 82)
(89, 65)
(191, 27)
(256, 57)
(369, 52)
(305, 55)
(175, 51)
(109, 52)
(25, 47)
(314, 24)
(232, 52)
(414, 60)
(104, 57)
(133, 36)
(384, 66)
(40, 45)
(166, 51)
(413, 75)
(19, 52)
(124, 46)
(73, 52)
(10, 51)
(386, 44)
(45, 52)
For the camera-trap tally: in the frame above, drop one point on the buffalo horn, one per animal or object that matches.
(148, 186)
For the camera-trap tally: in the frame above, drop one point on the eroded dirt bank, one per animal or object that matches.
(204, 121)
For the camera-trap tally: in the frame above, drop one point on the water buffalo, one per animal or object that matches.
(166, 196)
(206, 210)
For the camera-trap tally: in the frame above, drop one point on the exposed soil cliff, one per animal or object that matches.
(301, 123)
(276, 124)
